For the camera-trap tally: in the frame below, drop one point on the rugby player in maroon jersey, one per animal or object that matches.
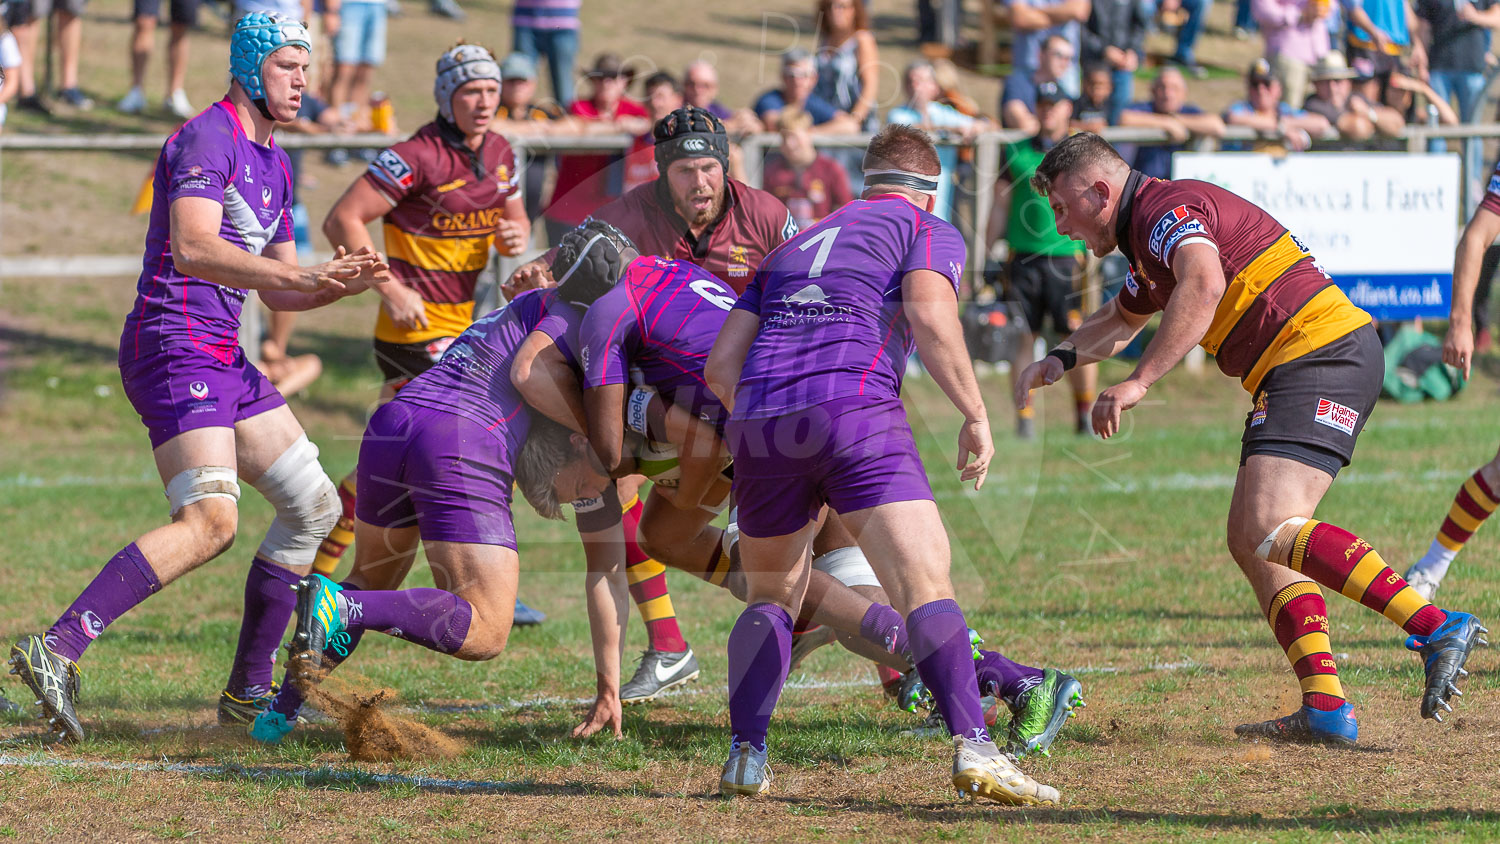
(1229, 277)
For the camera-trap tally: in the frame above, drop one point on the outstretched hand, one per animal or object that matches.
(605, 713)
(1048, 370)
(1458, 348)
(348, 272)
(974, 440)
(1112, 404)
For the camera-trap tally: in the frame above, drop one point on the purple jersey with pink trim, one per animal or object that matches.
(656, 327)
(829, 301)
(472, 379)
(210, 156)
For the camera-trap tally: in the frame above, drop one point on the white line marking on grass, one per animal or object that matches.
(310, 777)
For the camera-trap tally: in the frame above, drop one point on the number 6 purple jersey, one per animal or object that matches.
(658, 324)
(829, 301)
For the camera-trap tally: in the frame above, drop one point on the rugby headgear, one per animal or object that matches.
(590, 260)
(255, 38)
(690, 132)
(461, 64)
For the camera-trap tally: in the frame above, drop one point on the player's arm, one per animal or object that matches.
(1175, 128)
(1190, 311)
(606, 416)
(347, 225)
(513, 231)
(608, 597)
(541, 374)
(199, 251)
(931, 306)
(1483, 228)
(1104, 334)
(727, 358)
(700, 457)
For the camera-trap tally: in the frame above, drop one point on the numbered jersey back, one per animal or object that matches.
(830, 306)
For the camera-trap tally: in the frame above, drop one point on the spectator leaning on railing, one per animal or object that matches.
(922, 109)
(799, 76)
(663, 96)
(1058, 60)
(1281, 127)
(700, 88)
(1355, 117)
(1399, 90)
(1091, 111)
(1168, 110)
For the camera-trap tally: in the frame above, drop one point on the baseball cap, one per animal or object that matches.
(1050, 92)
(517, 66)
(607, 64)
(1260, 71)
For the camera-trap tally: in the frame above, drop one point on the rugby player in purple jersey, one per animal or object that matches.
(809, 364)
(220, 225)
(436, 468)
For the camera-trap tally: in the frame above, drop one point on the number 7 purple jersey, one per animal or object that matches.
(829, 300)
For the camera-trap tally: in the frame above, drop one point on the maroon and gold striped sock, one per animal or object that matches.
(648, 588)
(1340, 560)
(1473, 504)
(342, 536)
(1299, 619)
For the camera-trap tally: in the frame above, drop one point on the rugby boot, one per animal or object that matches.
(746, 773)
(527, 616)
(54, 679)
(981, 770)
(658, 672)
(322, 614)
(912, 694)
(810, 640)
(1443, 656)
(1041, 711)
(235, 711)
(10, 707)
(1307, 726)
(270, 727)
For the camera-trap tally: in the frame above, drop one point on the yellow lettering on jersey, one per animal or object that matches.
(483, 219)
(453, 185)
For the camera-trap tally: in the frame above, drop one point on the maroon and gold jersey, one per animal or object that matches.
(446, 201)
(1279, 304)
(753, 223)
(810, 193)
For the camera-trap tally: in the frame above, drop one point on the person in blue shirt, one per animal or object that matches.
(799, 75)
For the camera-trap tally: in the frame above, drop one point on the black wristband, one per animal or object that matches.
(1067, 357)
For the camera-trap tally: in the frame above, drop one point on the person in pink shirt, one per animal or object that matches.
(1296, 34)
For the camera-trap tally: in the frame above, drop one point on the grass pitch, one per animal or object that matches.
(1103, 558)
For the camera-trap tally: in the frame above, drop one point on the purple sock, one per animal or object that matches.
(1004, 678)
(760, 654)
(431, 618)
(945, 660)
(288, 701)
(269, 604)
(126, 580)
(884, 627)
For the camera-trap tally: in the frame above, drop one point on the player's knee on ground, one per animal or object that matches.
(1273, 545)
(306, 502)
(207, 497)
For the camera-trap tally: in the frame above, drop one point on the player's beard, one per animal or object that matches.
(697, 218)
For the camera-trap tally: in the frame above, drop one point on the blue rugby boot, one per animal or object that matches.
(1443, 656)
(1308, 726)
(527, 616)
(322, 614)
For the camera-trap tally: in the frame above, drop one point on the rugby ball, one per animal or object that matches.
(658, 461)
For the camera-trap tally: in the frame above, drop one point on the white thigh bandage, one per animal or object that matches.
(202, 482)
(1268, 546)
(848, 566)
(306, 501)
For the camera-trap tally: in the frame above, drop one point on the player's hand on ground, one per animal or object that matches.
(528, 276)
(1112, 404)
(1458, 347)
(510, 239)
(1040, 374)
(975, 450)
(405, 306)
(604, 714)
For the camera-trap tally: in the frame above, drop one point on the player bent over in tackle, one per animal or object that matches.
(220, 225)
(809, 364)
(1227, 276)
(436, 467)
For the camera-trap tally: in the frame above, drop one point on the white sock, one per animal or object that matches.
(1435, 562)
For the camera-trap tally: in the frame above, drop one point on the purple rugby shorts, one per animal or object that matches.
(850, 453)
(184, 389)
(440, 471)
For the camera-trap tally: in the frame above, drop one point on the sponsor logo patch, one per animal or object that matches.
(1131, 286)
(1258, 416)
(1164, 225)
(1494, 186)
(198, 390)
(1335, 415)
(265, 197)
(91, 624)
(789, 229)
(1190, 227)
(391, 167)
(694, 145)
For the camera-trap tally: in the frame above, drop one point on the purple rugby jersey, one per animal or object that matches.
(656, 327)
(832, 323)
(210, 156)
(472, 379)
